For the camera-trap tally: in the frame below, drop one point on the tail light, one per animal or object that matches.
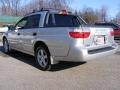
(79, 34)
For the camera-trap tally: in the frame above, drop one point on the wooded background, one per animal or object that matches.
(90, 15)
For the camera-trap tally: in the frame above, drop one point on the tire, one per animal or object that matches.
(42, 57)
(6, 46)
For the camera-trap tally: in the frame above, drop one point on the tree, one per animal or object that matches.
(117, 18)
(92, 16)
(14, 7)
(89, 15)
(38, 4)
(10, 7)
(58, 4)
(102, 14)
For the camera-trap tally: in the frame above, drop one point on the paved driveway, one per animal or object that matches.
(18, 72)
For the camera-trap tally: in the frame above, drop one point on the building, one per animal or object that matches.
(4, 19)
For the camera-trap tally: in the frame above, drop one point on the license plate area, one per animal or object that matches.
(99, 40)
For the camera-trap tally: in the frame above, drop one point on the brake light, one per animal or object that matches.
(112, 33)
(79, 34)
(63, 12)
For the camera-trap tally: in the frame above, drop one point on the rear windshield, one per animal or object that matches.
(66, 20)
(59, 20)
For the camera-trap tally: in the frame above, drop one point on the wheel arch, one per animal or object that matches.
(41, 43)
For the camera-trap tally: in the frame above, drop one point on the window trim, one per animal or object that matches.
(47, 20)
(21, 21)
(28, 18)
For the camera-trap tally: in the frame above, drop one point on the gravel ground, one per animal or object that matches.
(18, 72)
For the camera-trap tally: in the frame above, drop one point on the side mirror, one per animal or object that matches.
(18, 28)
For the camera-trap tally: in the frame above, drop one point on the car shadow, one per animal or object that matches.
(65, 65)
(31, 60)
(117, 53)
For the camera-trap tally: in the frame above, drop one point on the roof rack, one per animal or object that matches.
(46, 9)
(34, 11)
(49, 9)
(42, 9)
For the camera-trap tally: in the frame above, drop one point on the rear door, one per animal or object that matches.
(30, 33)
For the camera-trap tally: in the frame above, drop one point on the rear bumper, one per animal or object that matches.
(117, 38)
(99, 55)
(83, 54)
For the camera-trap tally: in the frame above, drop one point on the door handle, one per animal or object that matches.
(18, 34)
(34, 34)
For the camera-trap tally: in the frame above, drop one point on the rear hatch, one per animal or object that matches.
(99, 37)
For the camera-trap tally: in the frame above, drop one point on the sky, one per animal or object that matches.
(113, 6)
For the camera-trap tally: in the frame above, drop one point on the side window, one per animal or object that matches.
(63, 20)
(33, 22)
(22, 23)
(50, 22)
